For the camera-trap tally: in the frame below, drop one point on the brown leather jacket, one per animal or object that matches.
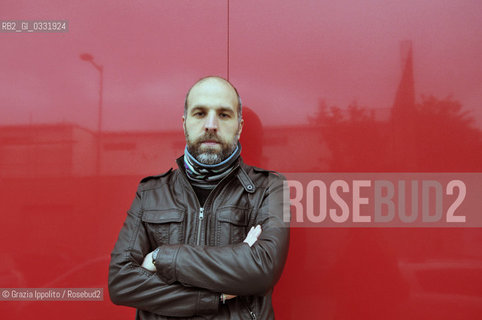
(202, 253)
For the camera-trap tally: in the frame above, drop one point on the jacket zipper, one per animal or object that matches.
(201, 209)
(201, 217)
(251, 313)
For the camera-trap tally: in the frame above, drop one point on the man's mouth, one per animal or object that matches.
(210, 142)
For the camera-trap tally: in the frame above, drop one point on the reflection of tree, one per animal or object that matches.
(353, 137)
(447, 137)
(438, 135)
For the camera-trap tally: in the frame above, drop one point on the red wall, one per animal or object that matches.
(330, 86)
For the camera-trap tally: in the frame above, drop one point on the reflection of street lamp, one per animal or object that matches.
(100, 68)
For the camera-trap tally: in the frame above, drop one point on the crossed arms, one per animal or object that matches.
(189, 279)
(250, 239)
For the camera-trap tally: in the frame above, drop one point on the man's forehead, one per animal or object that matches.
(213, 91)
(212, 84)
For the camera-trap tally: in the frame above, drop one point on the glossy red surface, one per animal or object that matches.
(329, 86)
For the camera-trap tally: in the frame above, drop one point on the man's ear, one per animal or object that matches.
(184, 123)
(240, 127)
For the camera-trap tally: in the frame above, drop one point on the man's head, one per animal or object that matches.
(212, 119)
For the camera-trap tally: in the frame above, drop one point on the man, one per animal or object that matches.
(207, 240)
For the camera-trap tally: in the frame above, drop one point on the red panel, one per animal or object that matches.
(329, 86)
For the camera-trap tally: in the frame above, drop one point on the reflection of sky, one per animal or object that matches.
(284, 56)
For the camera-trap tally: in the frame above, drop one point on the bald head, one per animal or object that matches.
(214, 85)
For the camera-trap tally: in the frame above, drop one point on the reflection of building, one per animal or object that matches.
(295, 148)
(46, 150)
(140, 152)
(403, 114)
(60, 150)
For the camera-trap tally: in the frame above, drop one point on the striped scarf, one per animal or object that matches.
(207, 176)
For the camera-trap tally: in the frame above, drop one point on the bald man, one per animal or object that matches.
(206, 240)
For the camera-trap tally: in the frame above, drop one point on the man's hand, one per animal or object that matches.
(147, 263)
(253, 235)
(225, 296)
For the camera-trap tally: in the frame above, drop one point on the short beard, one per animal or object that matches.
(210, 156)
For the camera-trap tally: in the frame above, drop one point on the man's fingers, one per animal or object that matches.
(147, 263)
(257, 231)
(253, 235)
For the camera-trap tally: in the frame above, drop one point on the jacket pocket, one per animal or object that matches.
(231, 225)
(164, 226)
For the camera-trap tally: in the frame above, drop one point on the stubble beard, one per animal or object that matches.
(208, 155)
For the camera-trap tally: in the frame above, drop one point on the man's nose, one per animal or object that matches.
(211, 123)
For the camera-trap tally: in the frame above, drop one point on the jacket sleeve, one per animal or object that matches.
(132, 285)
(236, 269)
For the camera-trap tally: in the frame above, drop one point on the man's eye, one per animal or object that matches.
(198, 114)
(224, 115)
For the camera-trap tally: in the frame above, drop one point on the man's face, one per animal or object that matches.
(211, 123)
